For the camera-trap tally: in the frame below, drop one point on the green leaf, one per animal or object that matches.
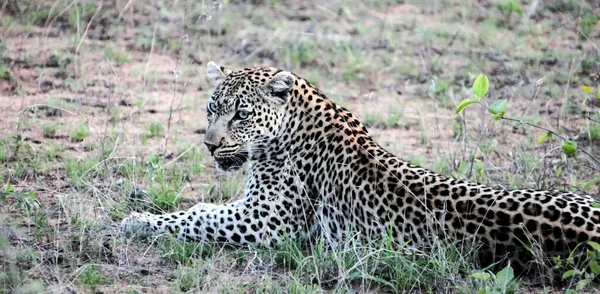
(593, 244)
(598, 95)
(465, 103)
(582, 284)
(590, 183)
(595, 205)
(504, 276)
(591, 254)
(587, 89)
(498, 108)
(481, 276)
(480, 86)
(569, 274)
(542, 139)
(569, 147)
(545, 137)
(594, 266)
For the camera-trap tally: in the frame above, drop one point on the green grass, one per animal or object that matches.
(115, 55)
(383, 267)
(164, 196)
(49, 130)
(156, 129)
(5, 73)
(594, 132)
(190, 278)
(93, 277)
(79, 133)
(186, 253)
(393, 118)
(81, 171)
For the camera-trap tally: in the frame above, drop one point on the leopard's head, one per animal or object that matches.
(245, 111)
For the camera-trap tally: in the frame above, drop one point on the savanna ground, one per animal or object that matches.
(102, 111)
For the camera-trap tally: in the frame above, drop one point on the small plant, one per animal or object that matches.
(49, 130)
(438, 90)
(5, 73)
(587, 25)
(181, 252)
(192, 160)
(27, 202)
(232, 187)
(25, 258)
(370, 118)
(4, 150)
(8, 191)
(61, 59)
(585, 269)
(393, 119)
(299, 53)
(115, 115)
(498, 111)
(156, 129)
(164, 196)
(508, 7)
(594, 132)
(190, 278)
(79, 133)
(501, 283)
(115, 55)
(92, 276)
(79, 171)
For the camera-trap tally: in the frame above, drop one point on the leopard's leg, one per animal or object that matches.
(252, 220)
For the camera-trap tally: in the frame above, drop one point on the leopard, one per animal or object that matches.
(312, 169)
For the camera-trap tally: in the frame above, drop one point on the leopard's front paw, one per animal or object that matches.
(137, 224)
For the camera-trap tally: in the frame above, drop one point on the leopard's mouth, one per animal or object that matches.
(231, 162)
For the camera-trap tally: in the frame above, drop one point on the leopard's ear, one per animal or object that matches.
(279, 87)
(216, 74)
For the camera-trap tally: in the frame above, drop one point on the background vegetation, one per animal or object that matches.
(102, 111)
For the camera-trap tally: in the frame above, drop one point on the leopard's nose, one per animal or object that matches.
(211, 147)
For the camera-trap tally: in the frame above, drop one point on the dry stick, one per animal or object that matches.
(382, 28)
(53, 19)
(124, 8)
(108, 108)
(175, 72)
(538, 86)
(3, 8)
(441, 54)
(149, 56)
(590, 118)
(87, 27)
(45, 105)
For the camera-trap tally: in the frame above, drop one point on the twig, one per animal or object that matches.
(382, 28)
(149, 56)
(45, 105)
(87, 28)
(553, 133)
(588, 117)
(443, 52)
(179, 156)
(176, 73)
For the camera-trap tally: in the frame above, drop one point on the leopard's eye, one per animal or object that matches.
(212, 107)
(242, 114)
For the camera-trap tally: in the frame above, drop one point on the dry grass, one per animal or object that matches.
(100, 99)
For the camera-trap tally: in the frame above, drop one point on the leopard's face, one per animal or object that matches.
(244, 112)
